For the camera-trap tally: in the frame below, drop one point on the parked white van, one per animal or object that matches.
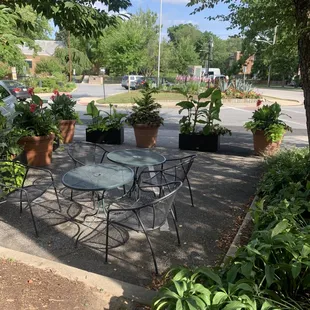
(213, 72)
(130, 80)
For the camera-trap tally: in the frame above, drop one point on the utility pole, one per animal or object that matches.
(159, 41)
(70, 60)
(273, 43)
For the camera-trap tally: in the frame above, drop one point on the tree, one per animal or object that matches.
(79, 17)
(49, 65)
(256, 17)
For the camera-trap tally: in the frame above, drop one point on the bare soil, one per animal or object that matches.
(24, 287)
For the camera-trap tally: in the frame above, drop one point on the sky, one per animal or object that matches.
(175, 12)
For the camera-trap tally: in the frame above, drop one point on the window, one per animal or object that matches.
(29, 62)
(3, 93)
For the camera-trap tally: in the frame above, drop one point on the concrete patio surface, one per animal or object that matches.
(222, 184)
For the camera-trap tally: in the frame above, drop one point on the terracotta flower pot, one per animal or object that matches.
(262, 146)
(67, 128)
(38, 149)
(145, 135)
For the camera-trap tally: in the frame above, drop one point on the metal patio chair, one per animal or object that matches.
(83, 153)
(145, 216)
(13, 176)
(174, 169)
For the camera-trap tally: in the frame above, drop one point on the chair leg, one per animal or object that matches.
(57, 198)
(175, 212)
(150, 244)
(190, 191)
(176, 227)
(107, 241)
(33, 220)
(21, 203)
(71, 195)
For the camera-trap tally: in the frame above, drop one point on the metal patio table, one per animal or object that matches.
(97, 178)
(137, 159)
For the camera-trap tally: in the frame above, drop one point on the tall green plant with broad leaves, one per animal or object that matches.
(204, 111)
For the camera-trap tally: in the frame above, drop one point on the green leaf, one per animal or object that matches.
(205, 94)
(269, 273)
(219, 297)
(185, 104)
(266, 306)
(246, 269)
(92, 110)
(305, 251)
(216, 95)
(179, 287)
(179, 305)
(280, 227)
(210, 274)
(296, 268)
(234, 305)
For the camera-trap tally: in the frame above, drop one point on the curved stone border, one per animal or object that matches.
(112, 287)
(235, 244)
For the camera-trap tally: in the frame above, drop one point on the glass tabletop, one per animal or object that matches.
(136, 158)
(97, 177)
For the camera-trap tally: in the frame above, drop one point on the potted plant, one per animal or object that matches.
(268, 130)
(204, 110)
(145, 118)
(37, 128)
(63, 110)
(105, 129)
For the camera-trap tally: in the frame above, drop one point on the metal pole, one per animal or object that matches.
(70, 60)
(159, 45)
(273, 43)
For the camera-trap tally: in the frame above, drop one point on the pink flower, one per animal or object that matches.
(33, 107)
(259, 102)
(69, 96)
(31, 91)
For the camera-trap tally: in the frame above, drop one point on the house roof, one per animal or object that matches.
(47, 47)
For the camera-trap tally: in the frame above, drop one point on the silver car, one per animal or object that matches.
(131, 79)
(8, 99)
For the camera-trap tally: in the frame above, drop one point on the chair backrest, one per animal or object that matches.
(83, 153)
(178, 167)
(154, 214)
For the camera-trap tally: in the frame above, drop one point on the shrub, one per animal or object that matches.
(49, 65)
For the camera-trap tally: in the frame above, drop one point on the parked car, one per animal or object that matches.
(17, 89)
(132, 78)
(7, 98)
(141, 82)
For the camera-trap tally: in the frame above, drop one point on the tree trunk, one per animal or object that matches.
(302, 8)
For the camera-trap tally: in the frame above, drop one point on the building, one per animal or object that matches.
(248, 63)
(46, 49)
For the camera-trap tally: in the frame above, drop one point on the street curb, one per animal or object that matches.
(235, 244)
(112, 287)
(284, 101)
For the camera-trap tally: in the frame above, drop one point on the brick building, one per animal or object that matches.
(248, 63)
(46, 49)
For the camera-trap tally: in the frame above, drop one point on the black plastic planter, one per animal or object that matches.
(210, 143)
(112, 136)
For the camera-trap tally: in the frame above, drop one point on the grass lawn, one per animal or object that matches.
(129, 96)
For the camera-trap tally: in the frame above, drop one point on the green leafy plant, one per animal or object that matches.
(112, 120)
(273, 270)
(267, 119)
(63, 107)
(146, 110)
(204, 110)
(8, 138)
(32, 119)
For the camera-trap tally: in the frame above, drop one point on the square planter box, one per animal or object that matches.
(201, 143)
(112, 136)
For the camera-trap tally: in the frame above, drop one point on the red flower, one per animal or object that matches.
(259, 102)
(56, 92)
(33, 107)
(69, 96)
(31, 91)
(53, 97)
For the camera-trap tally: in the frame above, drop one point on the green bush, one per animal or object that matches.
(273, 270)
(49, 65)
